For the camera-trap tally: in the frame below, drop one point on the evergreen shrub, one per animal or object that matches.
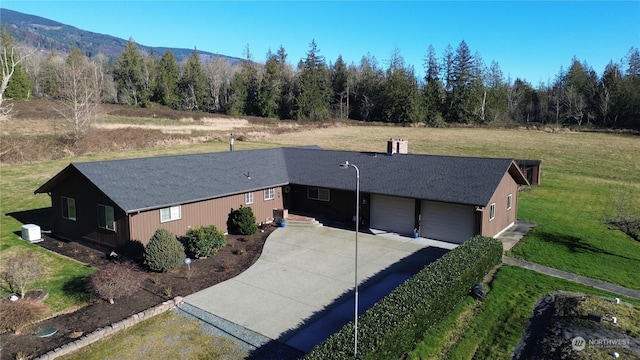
(242, 221)
(163, 252)
(202, 241)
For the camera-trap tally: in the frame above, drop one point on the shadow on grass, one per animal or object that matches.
(576, 245)
(42, 217)
(78, 288)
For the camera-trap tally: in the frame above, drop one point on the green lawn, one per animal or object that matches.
(491, 329)
(571, 234)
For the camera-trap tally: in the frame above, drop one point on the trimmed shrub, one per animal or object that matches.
(163, 252)
(117, 280)
(396, 323)
(242, 221)
(202, 241)
(21, 271)
(15, 315)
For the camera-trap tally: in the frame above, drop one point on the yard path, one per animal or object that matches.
(612, 288)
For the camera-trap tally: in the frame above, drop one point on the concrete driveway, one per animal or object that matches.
(300, 290)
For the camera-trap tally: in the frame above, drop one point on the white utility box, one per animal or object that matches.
(31, 233)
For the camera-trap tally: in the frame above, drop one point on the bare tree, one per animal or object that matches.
(81, 84)
(218, 73)
(576, 104)
(21, 271)
(10, 57)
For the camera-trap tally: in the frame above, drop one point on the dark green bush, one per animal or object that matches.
(202, 241)
(396, 323)
(242, 221)
(163, 252)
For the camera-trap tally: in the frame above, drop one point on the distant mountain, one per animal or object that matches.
(50, 35)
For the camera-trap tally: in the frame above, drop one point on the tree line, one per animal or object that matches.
(458, 87)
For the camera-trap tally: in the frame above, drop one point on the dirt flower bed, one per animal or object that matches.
(239, 254)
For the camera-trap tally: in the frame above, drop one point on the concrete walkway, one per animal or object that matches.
(511, 236)
(612, 288)
(300, 291)
(514, 234)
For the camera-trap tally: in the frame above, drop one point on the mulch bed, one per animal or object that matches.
(239, 254)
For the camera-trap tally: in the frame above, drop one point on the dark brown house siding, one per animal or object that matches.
(340, 207)
(85, 227)
(503, 217)
(203, 213)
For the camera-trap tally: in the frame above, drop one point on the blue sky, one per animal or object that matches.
(529, 39)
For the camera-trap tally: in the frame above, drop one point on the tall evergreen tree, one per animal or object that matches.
(461, 96)
(401, 94)
(129, 76)
(339, 78)
(496, 94)
(287, 103)
(19, 87)
(314, 84)
(166, 84)
(433, 93)
(270, 87)
(367, 90)
(193, 84)
(244, 98)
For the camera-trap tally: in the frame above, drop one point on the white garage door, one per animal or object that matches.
(393, 214)
(446, 222)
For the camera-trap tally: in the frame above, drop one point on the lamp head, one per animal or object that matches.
(345, 165)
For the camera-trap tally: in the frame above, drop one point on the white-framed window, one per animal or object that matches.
(248, 198)
(492, 211)
(170, 214)
(269, 194)
(318, 193)
(106, 217)
(68, 208)
(509, 201)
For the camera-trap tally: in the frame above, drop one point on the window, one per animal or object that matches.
(316, 193)
(269, 194)
(68, 208)
(492, 211)
(509, 200)
(170, 213)
(106, 218)
(248, 198)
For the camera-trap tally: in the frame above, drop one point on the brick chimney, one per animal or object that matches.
(397, 146)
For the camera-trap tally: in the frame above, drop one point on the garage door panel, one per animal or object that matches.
(393, 214)
(447, 222)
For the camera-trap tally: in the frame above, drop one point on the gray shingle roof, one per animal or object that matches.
(463, 180)
(148, 183)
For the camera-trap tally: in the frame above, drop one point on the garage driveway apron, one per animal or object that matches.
(300, 290)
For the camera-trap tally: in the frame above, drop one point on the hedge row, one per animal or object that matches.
(396, 323)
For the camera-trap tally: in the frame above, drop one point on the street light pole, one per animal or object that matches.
(346, 165)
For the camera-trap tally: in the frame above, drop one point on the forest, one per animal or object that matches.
(458, 88)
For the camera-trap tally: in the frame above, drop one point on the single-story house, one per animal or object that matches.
(448, 198)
